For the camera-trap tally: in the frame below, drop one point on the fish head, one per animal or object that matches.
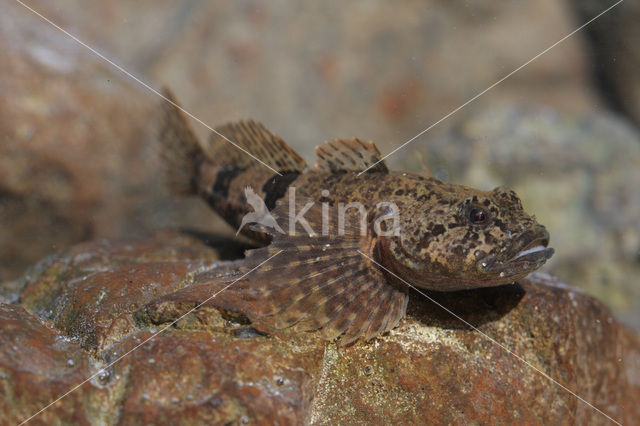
(460, 238)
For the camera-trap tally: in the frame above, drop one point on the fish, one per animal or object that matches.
(355, 236)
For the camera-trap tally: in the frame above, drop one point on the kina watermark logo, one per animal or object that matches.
(260, 214)
(383, 221)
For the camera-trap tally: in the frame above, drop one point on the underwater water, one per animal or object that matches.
(97, 255)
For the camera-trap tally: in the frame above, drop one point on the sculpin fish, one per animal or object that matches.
(346, 277)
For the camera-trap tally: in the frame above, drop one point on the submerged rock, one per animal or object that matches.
(88, 306)
(76, 148)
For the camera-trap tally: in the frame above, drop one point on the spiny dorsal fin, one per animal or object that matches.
(349, 155)
(257, 140)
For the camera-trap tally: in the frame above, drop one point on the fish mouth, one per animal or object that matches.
(527, 253)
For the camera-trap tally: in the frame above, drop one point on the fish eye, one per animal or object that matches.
(478, 216)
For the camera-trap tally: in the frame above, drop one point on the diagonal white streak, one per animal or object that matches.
(147, 340)
(493, 85)
(133, 77)
(147, 86)
(509, 351)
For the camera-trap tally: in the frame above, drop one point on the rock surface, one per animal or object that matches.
(77, 153)
(86, 307)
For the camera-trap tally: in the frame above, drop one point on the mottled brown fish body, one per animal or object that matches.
(349, 281)
(223, 188)
(411, 193)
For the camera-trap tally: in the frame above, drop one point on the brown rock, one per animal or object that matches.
(88, 291)
(211, 366)
(76, 148)
(37, 365)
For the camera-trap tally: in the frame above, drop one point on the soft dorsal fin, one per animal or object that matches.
(349, 155)
(257, 140)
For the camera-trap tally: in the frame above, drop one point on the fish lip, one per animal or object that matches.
(528, 252)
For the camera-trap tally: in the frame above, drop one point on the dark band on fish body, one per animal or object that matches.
(225, 176)
(276, 186)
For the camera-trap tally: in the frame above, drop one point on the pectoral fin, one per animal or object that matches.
(321, 282)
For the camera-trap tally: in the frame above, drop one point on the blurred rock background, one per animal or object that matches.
(77, 136)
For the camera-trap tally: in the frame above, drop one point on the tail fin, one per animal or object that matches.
(180, 150)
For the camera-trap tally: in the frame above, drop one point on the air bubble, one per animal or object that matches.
(104, 375)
